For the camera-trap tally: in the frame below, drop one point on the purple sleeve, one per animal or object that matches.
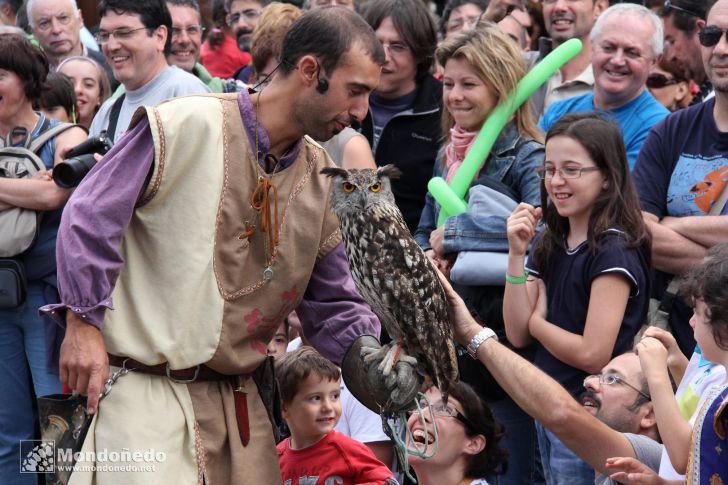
(92, 225)
(333, 314)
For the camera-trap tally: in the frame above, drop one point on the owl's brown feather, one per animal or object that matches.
(392, 272)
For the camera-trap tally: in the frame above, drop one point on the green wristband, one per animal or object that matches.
(517, 280)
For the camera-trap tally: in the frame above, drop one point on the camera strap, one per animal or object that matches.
(114, 117)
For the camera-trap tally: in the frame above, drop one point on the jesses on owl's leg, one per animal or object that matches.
(388, 356)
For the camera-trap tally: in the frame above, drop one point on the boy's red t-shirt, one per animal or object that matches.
(335, 459)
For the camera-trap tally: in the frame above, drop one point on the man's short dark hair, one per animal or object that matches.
(59, 91)
(229, 3)
(295, 367)
(185, 3)
(684, 14)
(415, 25)
(328, 33)
(152, 13)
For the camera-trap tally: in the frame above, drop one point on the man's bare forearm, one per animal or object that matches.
(671, 251)
(706, 231)
(548, 402)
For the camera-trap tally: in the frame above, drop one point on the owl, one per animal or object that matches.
(393, 274)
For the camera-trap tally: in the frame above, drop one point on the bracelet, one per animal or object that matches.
(478, 340)
(517, 280)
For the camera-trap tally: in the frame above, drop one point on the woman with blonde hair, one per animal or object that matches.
(481, 68)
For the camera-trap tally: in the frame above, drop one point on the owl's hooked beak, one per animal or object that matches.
(361, 200)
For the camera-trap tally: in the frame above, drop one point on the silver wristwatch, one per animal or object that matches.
(478, 340)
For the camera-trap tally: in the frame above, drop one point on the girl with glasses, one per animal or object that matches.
(589, 293)
(468, 447)
(481, 67)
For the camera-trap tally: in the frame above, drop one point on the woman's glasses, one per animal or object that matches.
(710, 35)
(446, 411)
(657, 80)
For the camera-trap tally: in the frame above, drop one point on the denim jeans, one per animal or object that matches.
(520, 441)
(561, 466)
(23, 375)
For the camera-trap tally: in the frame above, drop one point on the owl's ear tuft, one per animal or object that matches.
(390, 171)
(334, 171)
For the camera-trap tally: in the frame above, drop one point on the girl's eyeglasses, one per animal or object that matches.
(564, 172)
(657, 80)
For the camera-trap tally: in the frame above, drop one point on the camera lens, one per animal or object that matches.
(70, 172)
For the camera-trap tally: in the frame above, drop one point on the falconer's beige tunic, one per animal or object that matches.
(192, 292)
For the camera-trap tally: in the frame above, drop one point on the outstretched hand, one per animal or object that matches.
(631, 471)
(463, 324)
(674, 354)
(652, 354)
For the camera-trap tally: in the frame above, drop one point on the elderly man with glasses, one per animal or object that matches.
(57, 26)
(682, 20)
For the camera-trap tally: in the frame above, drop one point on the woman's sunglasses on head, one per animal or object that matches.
(657, 80)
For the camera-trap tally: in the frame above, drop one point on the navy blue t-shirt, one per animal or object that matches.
(681, 170)
(568, 287)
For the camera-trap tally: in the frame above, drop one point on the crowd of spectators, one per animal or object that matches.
(599, 211)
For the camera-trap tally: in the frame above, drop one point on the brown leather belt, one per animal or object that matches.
(192, 374)
(185, 376)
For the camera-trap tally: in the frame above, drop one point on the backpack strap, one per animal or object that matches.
(37, 143)
(114, 117)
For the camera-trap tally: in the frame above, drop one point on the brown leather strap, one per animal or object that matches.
(191, 374)
(241, 413)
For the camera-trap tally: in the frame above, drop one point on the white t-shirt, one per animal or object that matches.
(169, 83)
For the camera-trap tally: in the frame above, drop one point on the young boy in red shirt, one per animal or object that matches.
(315, 453)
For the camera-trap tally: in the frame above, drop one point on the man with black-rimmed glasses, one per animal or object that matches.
(615, 415)
(135, 36)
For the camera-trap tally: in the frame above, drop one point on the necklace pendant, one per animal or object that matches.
(268, 273)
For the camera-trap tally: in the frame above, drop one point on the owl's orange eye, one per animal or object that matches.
(348, 187)
(375, 187)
